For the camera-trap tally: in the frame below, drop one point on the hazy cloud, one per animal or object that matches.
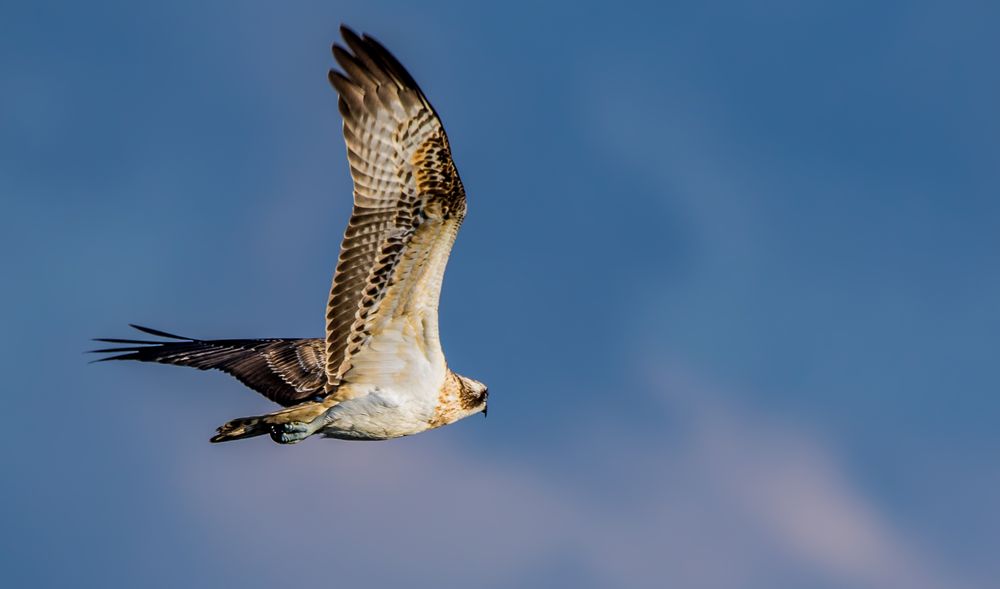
(733, 499)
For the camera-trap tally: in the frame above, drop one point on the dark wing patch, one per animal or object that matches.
(287, 371)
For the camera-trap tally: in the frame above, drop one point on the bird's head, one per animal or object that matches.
(472, 395)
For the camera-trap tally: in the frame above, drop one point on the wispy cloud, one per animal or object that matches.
(733, 499)
(787, 487)
(740, 498)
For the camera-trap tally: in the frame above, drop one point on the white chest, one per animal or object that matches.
(394, 384)
(380, 415)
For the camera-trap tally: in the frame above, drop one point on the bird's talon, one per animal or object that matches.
(290, 433)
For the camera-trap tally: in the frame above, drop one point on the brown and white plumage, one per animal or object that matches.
(286, 371)
(408, 205)
(380, 372)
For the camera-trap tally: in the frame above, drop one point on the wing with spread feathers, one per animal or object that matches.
(408, 205)
(287, 371)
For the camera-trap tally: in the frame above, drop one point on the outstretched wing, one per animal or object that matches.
(287, 371)
(408, 205)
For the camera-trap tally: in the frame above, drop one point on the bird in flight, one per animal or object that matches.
(380, 372)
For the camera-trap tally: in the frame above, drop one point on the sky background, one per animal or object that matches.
(730, 271)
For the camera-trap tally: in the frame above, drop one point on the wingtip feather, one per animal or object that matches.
(159, 333)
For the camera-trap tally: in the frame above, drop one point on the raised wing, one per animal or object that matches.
(287, 371)
(408, 205)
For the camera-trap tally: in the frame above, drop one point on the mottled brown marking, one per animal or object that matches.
(455, 400)
(437, 179)
(468, 398)
(448, 406)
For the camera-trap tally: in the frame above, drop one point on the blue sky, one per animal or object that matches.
(730, 272)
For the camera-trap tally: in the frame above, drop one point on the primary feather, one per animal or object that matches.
(287, 371)
(408, 200)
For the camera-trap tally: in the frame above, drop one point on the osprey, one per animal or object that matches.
(380, 372)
